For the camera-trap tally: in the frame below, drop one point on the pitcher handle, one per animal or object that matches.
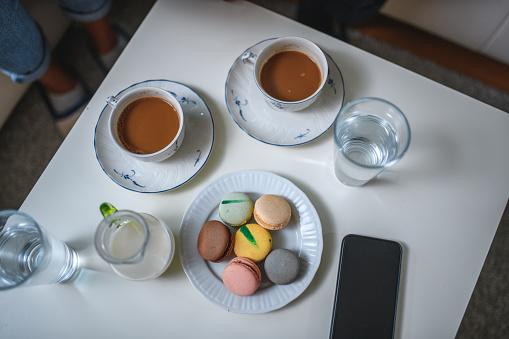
(107, 209)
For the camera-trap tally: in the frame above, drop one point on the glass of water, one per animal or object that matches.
(29, 255)
(370, 135)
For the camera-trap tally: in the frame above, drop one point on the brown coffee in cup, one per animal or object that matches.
(290, 76)
(147, 125)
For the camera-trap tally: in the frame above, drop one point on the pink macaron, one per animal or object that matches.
(241, 276)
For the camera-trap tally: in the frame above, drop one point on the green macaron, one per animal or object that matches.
(236, 208)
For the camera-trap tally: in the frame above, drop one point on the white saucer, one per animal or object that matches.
(147, 177)
(302, 235)
(254, 116)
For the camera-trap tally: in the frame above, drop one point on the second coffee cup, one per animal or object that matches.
(146, 123)
(290, 72)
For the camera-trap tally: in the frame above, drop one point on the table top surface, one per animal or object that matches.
(442, 202)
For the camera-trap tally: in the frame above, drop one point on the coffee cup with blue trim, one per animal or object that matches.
(290, 72)
(146, 123)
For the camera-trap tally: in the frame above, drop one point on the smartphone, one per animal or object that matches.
(367, 288)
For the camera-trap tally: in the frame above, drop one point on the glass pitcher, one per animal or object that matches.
(138, 246)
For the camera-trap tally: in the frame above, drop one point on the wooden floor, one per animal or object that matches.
(442, 52)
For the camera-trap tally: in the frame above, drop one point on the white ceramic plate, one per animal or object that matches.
(254, 116)
(147, 177)
(303, 235)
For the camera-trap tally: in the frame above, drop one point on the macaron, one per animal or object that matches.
(272, 212)
(253, 242)
(241, 276)
(215, 241)
(282, 266)
(236, 208)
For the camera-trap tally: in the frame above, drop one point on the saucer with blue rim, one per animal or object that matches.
(155, 177)
(253, 115)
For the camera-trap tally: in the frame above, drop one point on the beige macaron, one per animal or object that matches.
(272, 212)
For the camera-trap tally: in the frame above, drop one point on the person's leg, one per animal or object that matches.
(101, 33)
(93, 17)
(85, 10)
(57, 79)
(66, 97)
(26, 57)
(25, 52)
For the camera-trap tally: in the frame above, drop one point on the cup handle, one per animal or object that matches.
(112, 101)
(248, 57)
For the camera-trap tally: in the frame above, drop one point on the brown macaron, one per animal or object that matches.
(272, 212)
(215, 241)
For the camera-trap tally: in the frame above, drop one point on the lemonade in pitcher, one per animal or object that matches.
(137, 246)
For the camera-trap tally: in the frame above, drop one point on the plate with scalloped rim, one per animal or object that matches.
(254, 116)
(302, 235)
(155, 177)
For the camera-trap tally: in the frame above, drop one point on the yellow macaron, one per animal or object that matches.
(253, 242)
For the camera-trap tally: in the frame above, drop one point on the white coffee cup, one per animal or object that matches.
(119, 104)
(288, 44)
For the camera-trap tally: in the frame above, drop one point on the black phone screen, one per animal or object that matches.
(367, 288)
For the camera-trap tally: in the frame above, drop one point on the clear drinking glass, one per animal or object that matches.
(29, 255)
(370, 135)
(137, 246)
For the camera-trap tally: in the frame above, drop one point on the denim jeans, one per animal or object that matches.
(25, 52)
